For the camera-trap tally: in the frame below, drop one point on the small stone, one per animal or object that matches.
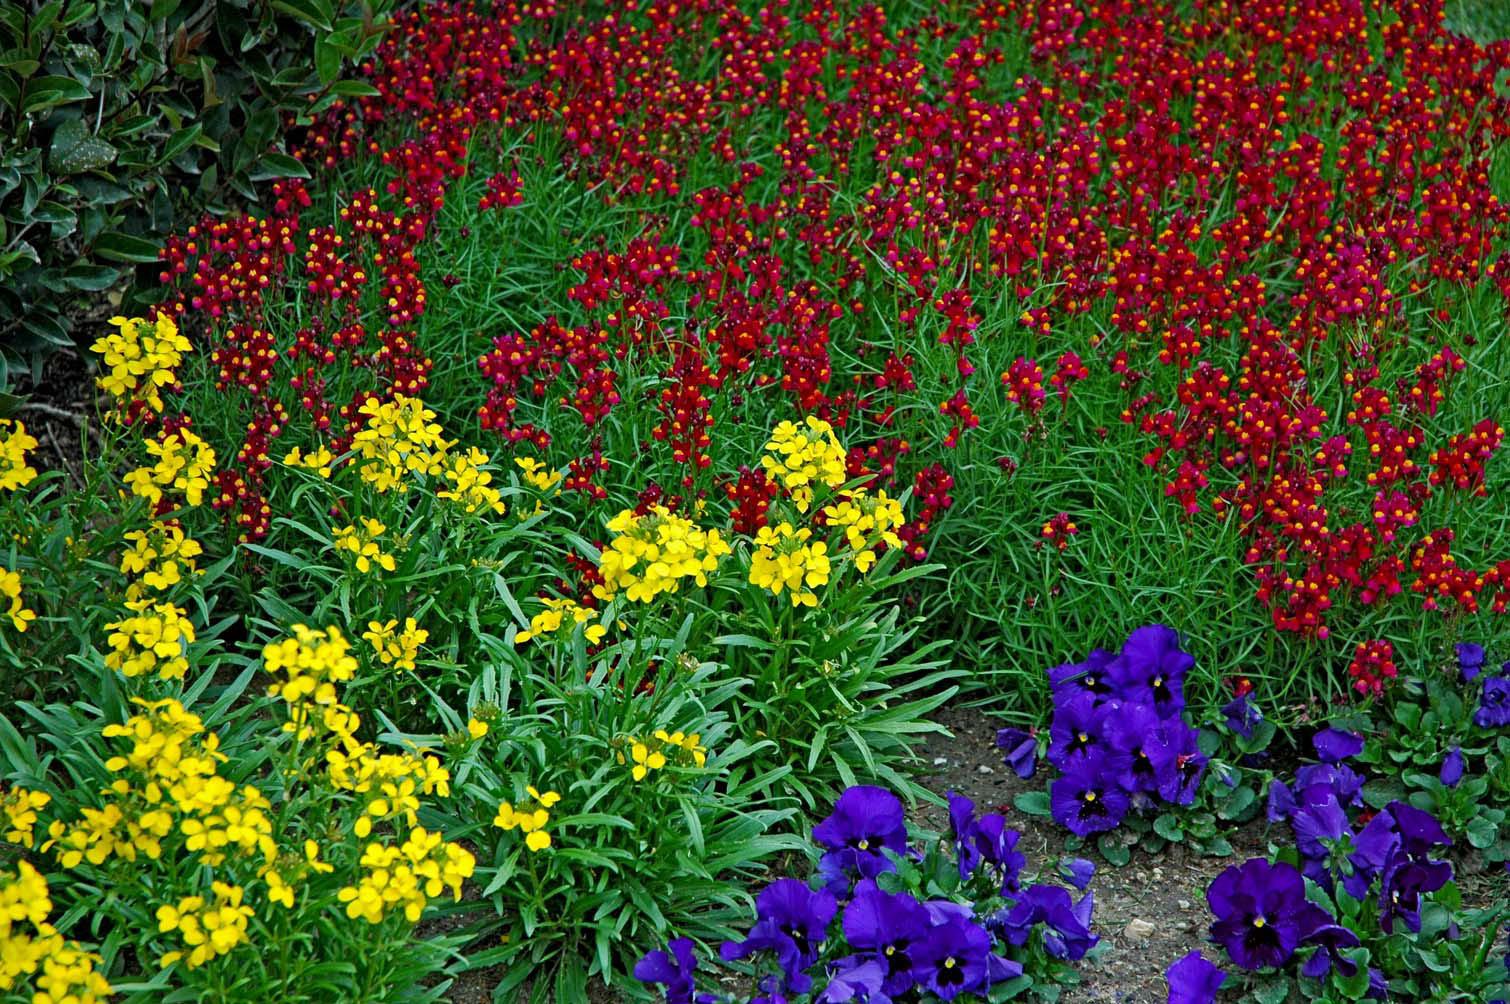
(1138, 930)
(983, 769)
(940, 761)
(1183, 904)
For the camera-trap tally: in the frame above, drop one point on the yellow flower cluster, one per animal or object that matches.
(537, 475)
(168, 775)
(531, 822)
(184, 463)
(653, 553)
(19, 807)
(408, 876)
(140, 358)
(10, 592)
(314, 662)
(318, 460)
(867, 521)
(60, 971)
(158, 559)
(362, 543)
(207, 929)
(155, 636)
(290, 868)
(799, 457)
(471, 487)
(394, 647)
(650, 753)
(15, 472)
(789, 559)
(559, 614)
(400, 438)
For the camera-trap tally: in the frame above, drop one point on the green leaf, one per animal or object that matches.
(180, 141)
(48, 92)
(313, 12)
(1482, 832)
(1272, 992)
(91, 278)
(1033, 803)
(1113, 849)
(75, 151)
(278, 165)
(327, 60)
(116, 246)
(1168, 827)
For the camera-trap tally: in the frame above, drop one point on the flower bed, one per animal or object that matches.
(502, 555)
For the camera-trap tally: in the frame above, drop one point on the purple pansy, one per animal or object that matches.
(1151, 669)
(887, 926)
(1019, 751)
(674, 972)
(1086, 799)
(1194, 980)
(1470, 660)
(1079, 730)
(866, 822)
(1406, 880)
(1334, 745)
(1178, 762)
(1078, 872)
(1452, 768)
(857, 983)
(1066, 921)
(791, 921)
(1494, 704)
(1330, 939)
(1260, 911)
(955, 958)
(1242, 716)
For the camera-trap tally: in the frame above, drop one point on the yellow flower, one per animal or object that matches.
(207, 929)
(138, 359)
(476, 729)
(799, 457)
(531, 822)
(562, 614)
(362, 543)
(314, 662)
(652, 554)
(407, 877)
(10, 593)
(19, 807)
(537, 475)
(393, 647)
(469, 486)
(788, 559)
(61, 971)
(156, 636)
(159, 557)
(184, 463)
(399, 439)
(318, 460)
(868, 522)
(15, 472)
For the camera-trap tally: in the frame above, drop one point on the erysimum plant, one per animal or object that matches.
(605, 818)
(218, 845)
(886, 918)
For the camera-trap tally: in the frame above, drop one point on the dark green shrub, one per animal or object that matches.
(117, 117)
